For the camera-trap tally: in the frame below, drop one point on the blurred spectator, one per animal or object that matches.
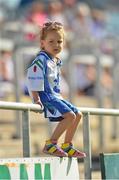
(6, 66)
(69, 9)
(98, 23)
(85, 78)
(56, 12)
(81, 25)
(81, 28)
(6, 73)
(106, 81)
(37, 14)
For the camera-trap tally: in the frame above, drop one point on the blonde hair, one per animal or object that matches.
(50, 26)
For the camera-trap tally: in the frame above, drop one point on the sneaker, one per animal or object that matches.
(71, 151)
(52, 148)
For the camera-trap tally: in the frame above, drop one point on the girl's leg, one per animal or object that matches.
(65, 124)
(51, 146)
(72, 129)
(67, 146)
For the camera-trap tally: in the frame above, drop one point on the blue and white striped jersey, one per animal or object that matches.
(43, 75)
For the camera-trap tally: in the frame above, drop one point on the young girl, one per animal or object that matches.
(43, 85)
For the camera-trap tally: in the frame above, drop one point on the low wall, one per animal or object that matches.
(43, 168)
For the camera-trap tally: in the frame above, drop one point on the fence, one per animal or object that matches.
(26, 108)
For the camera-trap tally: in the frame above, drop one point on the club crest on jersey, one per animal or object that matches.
(35, 68)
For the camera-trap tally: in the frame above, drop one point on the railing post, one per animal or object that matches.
(17, 92)
(26, 133)
(99, 95)
(115, 95)
(87, 146)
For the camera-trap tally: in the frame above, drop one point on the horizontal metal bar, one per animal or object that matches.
(100, 111)
(20, 106)
(35, 107)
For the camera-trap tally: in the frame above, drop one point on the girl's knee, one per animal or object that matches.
(70, 115)
(79, 115)
(72, 118)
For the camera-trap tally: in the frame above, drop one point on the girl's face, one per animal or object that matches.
(53, 43)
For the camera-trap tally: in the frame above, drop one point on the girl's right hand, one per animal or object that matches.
(39, 102)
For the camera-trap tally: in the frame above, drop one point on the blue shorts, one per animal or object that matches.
(55, 108)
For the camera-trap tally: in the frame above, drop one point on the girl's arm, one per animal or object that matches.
(36, 98)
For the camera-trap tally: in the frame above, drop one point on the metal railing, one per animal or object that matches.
(26, 108)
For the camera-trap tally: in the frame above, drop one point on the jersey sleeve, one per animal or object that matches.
(35, 76)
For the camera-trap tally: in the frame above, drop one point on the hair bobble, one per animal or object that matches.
(51, 23)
